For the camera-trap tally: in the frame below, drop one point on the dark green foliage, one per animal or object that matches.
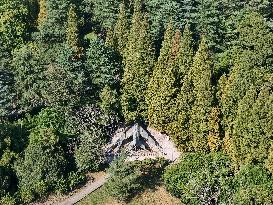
(28, 76)
(128, 178)
(102, 66)
(4, 181)
(89, 153)
(71, 72)
(209, 20)
(106, 12)
(53, 23)
(201, 179)
(42, 166)
(6, 85)
(65, 79)
(160, 13)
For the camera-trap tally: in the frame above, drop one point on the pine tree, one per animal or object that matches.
(153, 94)
(253, 125)
(42, 12)
(185, 56)
(209, 22)
(163, 98)
(214, 137)
(72, 32)
(202, 82)
(13, 23)
(138, 64)
(120, 34)
(53, 26)
(180, 114)
(252, 54)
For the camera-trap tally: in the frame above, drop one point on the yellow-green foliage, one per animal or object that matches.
(120, 34)
(203, 97)
(72, 31)
(214, 138)
(138, 64)
(160, 72)
(191, 128)
(42, 12)
(178, 128)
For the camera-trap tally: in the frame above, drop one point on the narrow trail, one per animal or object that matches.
(84, 192)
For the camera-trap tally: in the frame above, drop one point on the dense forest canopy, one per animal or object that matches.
(73, 71)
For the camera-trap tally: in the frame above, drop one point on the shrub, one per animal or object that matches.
(7, 200)
(74, 179)
(89, 155)
(253, 185)
(128, 178)
(123, 181)
(200, 179)
(42, 166)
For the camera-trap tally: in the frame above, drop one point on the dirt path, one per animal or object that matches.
(86, 191)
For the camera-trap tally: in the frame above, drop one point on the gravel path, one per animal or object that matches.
(86, 191)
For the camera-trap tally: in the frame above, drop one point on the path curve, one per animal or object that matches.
(86, 191)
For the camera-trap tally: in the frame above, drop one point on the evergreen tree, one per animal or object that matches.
(120, 34)
(138, 64)
(253, 125)
(214, 137)
(72, 31)
(251, 55)
(42, 12)
(65, 80)
(209, 22)
(102, 67)
(179, 127)
(28, 73)
(160, 12)
(186, 53)
(13, 23)
(53, 24)
(169, 87)
(154, 94)
(203, 98)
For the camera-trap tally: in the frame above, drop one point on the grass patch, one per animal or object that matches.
(156, 196)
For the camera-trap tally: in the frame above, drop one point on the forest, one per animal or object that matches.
(73, 71)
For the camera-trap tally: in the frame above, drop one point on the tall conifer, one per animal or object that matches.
(202, 81)
(72, 31)
(154, 95)
(138, 62)
(120, 34)
(180, 114)
(42, 12)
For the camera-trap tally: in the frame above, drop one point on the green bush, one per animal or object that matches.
(7, 200)
(123, 181)
(89, 154)
(74, 179)
(128, 178)
(42, 166)
(253, 185)
(200, 179)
